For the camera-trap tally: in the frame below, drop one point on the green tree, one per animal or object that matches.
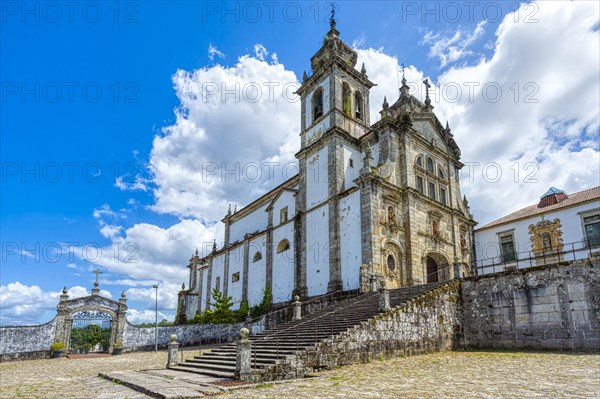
(222, 312)
(263, 307)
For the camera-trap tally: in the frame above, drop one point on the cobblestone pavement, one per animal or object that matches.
(75, 378)
(449, 375)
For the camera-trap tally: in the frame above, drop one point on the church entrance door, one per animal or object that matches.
(432, 270)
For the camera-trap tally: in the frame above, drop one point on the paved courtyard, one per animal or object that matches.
(443, 375)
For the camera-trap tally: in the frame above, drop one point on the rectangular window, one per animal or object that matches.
(235, 277)
(420, 184)
(351, 163)
(283, 215)
(431, 192)
(507, 248)
(591, 226)
(443, 196)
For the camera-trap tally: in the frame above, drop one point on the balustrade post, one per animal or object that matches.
(384, 297)
(243, 356)
(173, 349)
(297, 308)
(373, 283)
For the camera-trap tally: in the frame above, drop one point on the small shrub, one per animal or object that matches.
(58, 346)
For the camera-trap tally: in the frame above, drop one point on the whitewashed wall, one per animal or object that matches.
(350, 240)
(236, 264)
(218, 270)
(254, 221)
(317, 250)
(315, 132)
(288, 199)
(283, 264)
(257, 271)
(317, 178)
(351, 173)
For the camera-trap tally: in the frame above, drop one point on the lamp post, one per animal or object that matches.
(155, 286)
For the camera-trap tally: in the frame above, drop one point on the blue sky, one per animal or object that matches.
(99, 130)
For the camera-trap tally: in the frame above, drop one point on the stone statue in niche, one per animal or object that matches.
(435, 228)
(391, 215)
(546, 242)
(463, 241)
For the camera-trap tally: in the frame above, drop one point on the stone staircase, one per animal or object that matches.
(277, 346)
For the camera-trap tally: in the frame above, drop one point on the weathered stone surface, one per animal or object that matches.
(447, 375)
(75, 378)
(26, 342)
(427, 323)
(137, 338)
(548, 307)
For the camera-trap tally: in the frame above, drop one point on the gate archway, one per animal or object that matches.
(90, 332)
(75, 315)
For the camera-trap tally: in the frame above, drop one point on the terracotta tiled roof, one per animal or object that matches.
(571, 200)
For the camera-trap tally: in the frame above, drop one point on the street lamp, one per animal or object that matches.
(155, 286)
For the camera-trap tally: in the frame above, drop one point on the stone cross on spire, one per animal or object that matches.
(332, 17)
(403, 77)
(428, 106)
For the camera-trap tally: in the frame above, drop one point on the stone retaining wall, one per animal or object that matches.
(26, 342)
(546, 307)
(428, 323)
(140, 338)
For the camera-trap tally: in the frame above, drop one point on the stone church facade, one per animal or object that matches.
(379, 199)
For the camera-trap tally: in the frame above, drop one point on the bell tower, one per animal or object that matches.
(335, 114)
(336, 94)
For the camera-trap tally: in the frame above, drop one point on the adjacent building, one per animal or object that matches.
(561, 227)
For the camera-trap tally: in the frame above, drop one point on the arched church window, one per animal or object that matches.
(317, 103)
(346, 99)
(430, 165)
(358, 105)
(283, 245)
(420, 161)
(257, 256)
(391, 262)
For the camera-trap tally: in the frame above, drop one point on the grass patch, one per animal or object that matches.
(264, 385)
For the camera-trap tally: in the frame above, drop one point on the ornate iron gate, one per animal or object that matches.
(90, 332)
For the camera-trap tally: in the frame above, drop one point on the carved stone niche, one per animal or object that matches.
(546, 237)
(388, 215)
(464, 243)
(434, 219)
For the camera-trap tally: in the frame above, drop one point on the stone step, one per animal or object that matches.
(260, 355)
(213, 364)
(165, 387)
(210, 373)
(270, 352)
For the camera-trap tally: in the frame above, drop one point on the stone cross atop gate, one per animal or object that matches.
(96, 290)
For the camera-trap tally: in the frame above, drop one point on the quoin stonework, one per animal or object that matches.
(369, 200)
